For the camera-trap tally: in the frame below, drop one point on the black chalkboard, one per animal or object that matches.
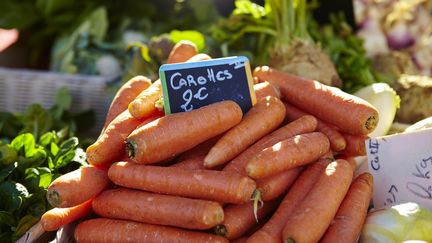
(188, 86)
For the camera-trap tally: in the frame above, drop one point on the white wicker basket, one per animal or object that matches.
(20, 87)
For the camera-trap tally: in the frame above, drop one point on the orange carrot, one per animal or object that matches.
(77, 186)
(312, 217)
(173, 134)
(144, 104)
(262, 118)
(110, 146)
(111, 231)
(242, 239)
(238, 219)
(350, 159)
(182, 51)
(158, 209)
(302, 125)
(287, 154)
(355, 145)
(274, 186)
(350, 217)
(213, 185)
(337, 141)
(193, 159)
(351, 114)
(195, 163)
(266, 89)
(55, 218)
(201, 149)
(272, 231)
(126, 94)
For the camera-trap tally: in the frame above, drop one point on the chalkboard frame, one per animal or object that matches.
(206, 63)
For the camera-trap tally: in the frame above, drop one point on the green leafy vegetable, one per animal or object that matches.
(24, 182)
(400, 223)
(346, 51)
(194, 36)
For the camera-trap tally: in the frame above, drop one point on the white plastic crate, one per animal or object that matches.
(20, 87)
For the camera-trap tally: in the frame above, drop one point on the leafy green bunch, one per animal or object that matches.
(27, 167)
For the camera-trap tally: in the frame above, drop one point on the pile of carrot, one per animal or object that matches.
(214, 174)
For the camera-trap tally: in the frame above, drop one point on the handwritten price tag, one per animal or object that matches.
(402, 168)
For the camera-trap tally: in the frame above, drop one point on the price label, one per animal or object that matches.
(402, 168)
(188, 86)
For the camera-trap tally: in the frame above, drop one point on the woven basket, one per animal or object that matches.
(19, 88)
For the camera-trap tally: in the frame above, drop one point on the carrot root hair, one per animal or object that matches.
(257, 203)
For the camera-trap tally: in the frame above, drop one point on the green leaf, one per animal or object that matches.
(45, 180)
(24, 143)
(54, 149)
(249, 8)
(47, 138)
(69, 144)
(7, 218)
(12, 195)
(8, 154)
(36, 120)
(25, 224)
(190, 35)
(36, 178)
(6, 171)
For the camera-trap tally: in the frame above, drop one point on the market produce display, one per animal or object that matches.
(310, 159)
(166, 184)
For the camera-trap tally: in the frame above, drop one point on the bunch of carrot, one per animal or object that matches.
(268, 175)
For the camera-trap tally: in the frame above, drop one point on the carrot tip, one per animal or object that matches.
(221, 230)
(53, 198)
(130, 148)
(289, 240)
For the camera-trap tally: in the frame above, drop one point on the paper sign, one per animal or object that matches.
(402, 168)
(188, 86)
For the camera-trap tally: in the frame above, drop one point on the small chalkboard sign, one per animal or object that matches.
(188, 86)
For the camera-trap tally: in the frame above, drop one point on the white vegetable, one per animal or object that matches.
(108, 65)
(385, 99)
(423, 124)
(400, 223)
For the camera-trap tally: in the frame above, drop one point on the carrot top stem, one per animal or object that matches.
(221, 230)
(131, 147)
(371, 123)
(290, 240)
